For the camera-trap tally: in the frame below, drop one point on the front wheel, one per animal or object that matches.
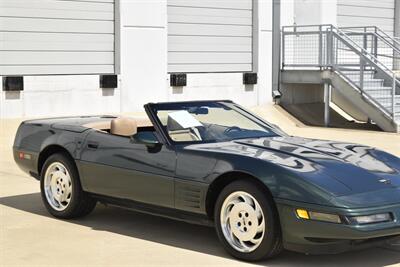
(247, 223)
(61, 190)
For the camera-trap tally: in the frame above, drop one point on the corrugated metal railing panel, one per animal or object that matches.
(210, 36)
(44, 37)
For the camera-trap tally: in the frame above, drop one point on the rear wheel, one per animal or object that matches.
(247, 223)
(61, 190)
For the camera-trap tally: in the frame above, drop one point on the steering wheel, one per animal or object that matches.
(231, 129)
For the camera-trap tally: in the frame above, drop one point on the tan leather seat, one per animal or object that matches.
(124, 126)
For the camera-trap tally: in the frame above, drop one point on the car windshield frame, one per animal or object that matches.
(154, 108)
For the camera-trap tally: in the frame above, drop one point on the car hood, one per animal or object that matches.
(342, 169)
(358, 167)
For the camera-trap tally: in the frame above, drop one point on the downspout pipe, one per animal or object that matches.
(276, 49)
(396, 65)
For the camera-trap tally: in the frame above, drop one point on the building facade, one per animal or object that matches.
(61, 48)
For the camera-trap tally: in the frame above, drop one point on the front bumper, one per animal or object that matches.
(315, 237)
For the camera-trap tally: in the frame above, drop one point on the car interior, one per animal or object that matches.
(122, 126)
(125, 126)
(129, 126)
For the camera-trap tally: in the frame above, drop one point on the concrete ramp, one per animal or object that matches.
(312, 114)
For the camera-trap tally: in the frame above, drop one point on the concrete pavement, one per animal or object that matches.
(117, 237)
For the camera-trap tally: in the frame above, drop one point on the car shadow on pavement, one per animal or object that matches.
(196, 238)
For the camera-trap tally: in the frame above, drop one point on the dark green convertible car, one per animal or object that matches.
(214, 163)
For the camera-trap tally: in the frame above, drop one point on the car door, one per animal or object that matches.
(118, 167)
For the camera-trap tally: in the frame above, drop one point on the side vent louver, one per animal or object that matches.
(189, 197)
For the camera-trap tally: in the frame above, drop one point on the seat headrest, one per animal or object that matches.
(123, 126)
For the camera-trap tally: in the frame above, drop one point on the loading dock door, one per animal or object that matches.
(210, 36)
(44, 37)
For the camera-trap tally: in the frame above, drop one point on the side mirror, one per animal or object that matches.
(146, 138)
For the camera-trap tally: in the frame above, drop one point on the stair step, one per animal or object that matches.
(371, 83)
(369, 80)
(387, 98)
(379, 91)
(369, 73)
(380, 88)
(388, 106)
(357, 76)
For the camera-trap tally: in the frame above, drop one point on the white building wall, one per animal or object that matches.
(342, 13)
(264, 90)
(146, 41)
(144, 75)
(287, 12)
(144, 53)
(57, 37)
(59, 95)
(312, 12)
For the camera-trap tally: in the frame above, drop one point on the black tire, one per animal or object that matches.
(81, 204)
(271, 244)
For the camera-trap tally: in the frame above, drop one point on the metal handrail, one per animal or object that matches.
(376, 31)
(374, 61)
(364, 53)
(394, 39)
(332, 32)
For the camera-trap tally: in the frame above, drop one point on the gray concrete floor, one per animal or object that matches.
(117, 237)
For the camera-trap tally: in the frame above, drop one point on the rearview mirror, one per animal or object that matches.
(146, 138)
(198, 110)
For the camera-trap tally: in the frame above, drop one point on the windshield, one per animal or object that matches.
(209, 122)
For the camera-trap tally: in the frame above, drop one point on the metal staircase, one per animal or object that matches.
(361, 62)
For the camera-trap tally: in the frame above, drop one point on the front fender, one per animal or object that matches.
(281, 182)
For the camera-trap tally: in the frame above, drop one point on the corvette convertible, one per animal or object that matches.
(215, 163)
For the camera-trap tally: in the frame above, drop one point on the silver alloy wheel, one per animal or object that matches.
(58, 186)
(242, 221)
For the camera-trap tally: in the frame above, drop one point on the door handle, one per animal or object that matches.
(93, 145)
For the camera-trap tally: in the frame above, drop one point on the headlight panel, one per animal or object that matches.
(371, 219)
(325, 217)
(318, 216)
(353, 220)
